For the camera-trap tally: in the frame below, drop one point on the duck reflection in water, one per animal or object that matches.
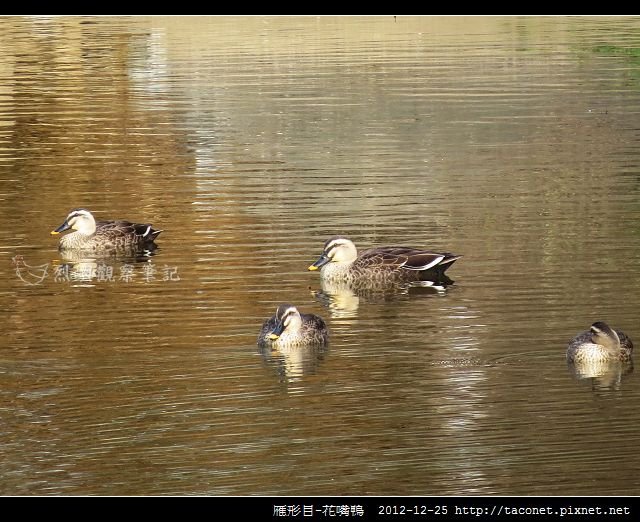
(607, 376)
(602, 354)
(293, 363)
(377, 274)
(77, 267)
(98, 250)
(343, 299)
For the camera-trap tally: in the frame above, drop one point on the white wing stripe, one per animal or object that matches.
(433, 263)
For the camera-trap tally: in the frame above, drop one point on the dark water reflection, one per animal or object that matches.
(249, 141)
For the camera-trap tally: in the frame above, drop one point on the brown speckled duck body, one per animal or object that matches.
(289, 328)
(104, 237)
(600, 344)
(380, 266)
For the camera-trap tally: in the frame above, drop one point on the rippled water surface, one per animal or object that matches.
(514, 142)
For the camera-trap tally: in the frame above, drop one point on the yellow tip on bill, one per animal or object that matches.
(54, 233)
(273, 336)
(312, 267)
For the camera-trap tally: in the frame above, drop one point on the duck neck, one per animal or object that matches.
(608, 339)
(335, 270)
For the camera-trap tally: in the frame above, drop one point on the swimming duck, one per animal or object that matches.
(104, 236)
(340, 262)
(289, 327)
(600, 343)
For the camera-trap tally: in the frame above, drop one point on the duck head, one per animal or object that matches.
(287, 318)
(337, 249)
(78, 219)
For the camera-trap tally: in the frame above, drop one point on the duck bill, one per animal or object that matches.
(322, 260)
(277, 331)
(61, 228)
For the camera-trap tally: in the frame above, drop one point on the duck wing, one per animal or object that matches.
(404, 257)
(625, 341)
(315, 321)
(143, 231)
